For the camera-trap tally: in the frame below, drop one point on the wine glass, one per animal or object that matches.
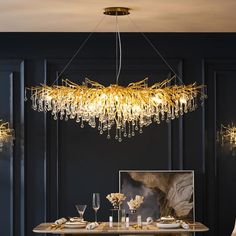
(96, 203)
(81, 209)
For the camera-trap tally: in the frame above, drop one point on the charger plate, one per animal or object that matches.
(75, 224)
(168, 226)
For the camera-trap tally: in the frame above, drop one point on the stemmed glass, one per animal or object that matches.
(96, 203)
(81, 209)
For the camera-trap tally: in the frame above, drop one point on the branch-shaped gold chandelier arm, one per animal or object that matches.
(126, 108)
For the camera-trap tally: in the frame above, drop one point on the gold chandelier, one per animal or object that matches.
(127, 109)
(228, 134)
(6, 134)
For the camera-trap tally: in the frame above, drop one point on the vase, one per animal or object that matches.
(118, 215)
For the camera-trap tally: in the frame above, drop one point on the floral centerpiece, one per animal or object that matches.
(116, 199)
(135, 203)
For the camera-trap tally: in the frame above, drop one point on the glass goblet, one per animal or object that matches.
(81, 209)
(96, 203)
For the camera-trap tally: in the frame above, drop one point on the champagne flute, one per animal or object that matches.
(96, 203)
(81, 209)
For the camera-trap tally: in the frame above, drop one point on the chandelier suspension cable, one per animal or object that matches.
(156, 50)
(116, 49)
(118, 45)
(78, 50)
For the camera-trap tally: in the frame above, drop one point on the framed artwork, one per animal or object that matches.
(165, 192)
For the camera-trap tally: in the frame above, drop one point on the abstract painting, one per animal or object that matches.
(165, 193)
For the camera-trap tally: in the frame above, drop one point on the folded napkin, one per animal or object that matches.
(91, 226)
(60, 221)
(184, 225)
(149, 220)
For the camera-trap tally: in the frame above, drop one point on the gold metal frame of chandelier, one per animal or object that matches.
(128, 109)
(116, 11)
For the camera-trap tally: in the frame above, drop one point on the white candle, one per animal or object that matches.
(139, 220)
(110, 221)
(127, 221)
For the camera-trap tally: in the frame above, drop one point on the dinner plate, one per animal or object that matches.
(77, 219)
(168, 226)
(75, 225)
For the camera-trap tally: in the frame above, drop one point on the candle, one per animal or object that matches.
(127, 221)
(139, 220)
(110, 221)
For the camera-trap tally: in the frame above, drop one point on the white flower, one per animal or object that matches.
(135, 203)
(116, 199)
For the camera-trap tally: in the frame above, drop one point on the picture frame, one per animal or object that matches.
(165, 192)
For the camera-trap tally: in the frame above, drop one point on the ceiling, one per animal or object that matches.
(148, 15)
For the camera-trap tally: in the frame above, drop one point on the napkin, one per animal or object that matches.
(149, 220)
(60, 221)
(184, 225)
(91, 226)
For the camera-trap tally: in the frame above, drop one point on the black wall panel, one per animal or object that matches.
(55, 164)
(12, 160)
(220, 77)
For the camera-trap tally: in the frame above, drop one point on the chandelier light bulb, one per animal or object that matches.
(183, 99)
(157, 99)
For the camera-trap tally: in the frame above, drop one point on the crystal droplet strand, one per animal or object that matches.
(115, 106)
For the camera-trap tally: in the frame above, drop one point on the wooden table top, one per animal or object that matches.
(104, 228)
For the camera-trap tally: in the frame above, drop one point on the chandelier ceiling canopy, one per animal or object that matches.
(126, 109)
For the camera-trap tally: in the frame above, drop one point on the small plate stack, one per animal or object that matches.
(167, 222)
(75, 223)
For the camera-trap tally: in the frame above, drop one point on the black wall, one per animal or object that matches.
(53, 164)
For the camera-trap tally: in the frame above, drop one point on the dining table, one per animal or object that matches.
(120, 229)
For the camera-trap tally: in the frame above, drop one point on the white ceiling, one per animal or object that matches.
(149, 15)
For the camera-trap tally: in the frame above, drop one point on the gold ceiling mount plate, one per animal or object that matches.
(116, 11)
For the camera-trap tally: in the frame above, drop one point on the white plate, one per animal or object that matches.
(75, 225)
(168, 226)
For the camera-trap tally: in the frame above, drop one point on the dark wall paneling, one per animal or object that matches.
(221, 80)
(176, 135)
(56, 163)
(35, 150)
(12, 162)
